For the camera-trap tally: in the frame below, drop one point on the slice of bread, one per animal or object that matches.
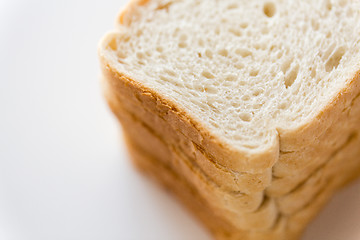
(255, 100)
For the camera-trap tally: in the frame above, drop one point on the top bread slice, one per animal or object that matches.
(246, 80)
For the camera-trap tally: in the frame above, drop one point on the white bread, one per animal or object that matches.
(203, 85)
(257, 99)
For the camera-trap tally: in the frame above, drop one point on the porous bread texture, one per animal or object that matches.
(246, 70)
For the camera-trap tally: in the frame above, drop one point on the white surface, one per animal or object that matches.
(64, 174)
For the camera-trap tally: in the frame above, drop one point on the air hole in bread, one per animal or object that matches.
(198, 88)
(315, 24)
(312, 72)
(126, 38)
(211, 89)
(334, 59)
(216, 83)
(230, 78)
(329, 5)
(170, 72)
(246, 117)
(291, 76)
(238, 138)
(257, 46)
(254, 72)
(164, 6)
(183, 37)
(235, 31)
(162, 77)
(223, 52)
(239, 65)
(159, 49)
(208, 75)
(265, 30)
(286, 65)
(245, 98)
(244, 25)
(201, 42)
(269, 9)
(139, 33)
(232, 6)
(141, 63)
(217, 31)
(257, 92)
(242, 82)
(325, 55)
(140, 55)
(182, 45)
(257, 105)
(343, 3)
(283, 105)
(208, 53)
(121, 54)
(236, 105)
(113, 44)
(243, 52)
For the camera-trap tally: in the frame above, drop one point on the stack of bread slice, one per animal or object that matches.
(249, 111)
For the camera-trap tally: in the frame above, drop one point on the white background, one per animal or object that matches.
(64, 172)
